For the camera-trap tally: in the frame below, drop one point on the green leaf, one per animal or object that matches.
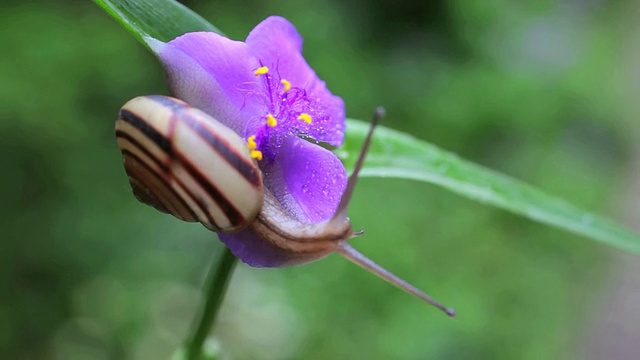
(397, 155)
(163, 20)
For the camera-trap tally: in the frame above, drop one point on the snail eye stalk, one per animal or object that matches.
(351, 254)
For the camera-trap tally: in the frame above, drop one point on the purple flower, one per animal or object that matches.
(265, 91)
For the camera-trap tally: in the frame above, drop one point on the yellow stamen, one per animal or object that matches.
(251, 142)
(271, 121)
(261, 70)
(256, 154)
(287, 85)
(306, 117)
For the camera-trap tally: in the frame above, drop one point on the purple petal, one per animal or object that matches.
(307, 179)
(257, 252)
(276, 44)
(254, 251)
(214, 74)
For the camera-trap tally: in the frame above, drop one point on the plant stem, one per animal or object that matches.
(217, 282)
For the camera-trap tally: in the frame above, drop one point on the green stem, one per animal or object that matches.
(217, 282)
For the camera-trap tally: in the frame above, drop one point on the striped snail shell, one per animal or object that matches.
(184, 162)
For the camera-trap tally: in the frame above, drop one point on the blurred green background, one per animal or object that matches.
(540, 90)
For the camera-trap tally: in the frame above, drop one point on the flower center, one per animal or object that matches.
(288, 112)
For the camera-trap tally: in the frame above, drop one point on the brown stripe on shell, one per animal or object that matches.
(178, 154)
(219, 142)
(153, 134)
(155, 187)
(206, 217)
(245, 166)
(235, 217)
(169, 163)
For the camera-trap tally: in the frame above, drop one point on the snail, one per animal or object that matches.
(185, 163)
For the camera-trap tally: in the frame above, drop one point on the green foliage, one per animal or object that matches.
(92, 274)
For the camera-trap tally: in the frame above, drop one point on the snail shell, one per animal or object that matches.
(184, 162)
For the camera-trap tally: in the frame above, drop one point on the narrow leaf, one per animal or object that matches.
(163, 20)
(398, 155)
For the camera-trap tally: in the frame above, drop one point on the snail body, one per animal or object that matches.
(186, 163)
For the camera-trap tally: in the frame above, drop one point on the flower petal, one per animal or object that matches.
(277, 45)
(214, 74)
(256, 252)
(307, 179)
